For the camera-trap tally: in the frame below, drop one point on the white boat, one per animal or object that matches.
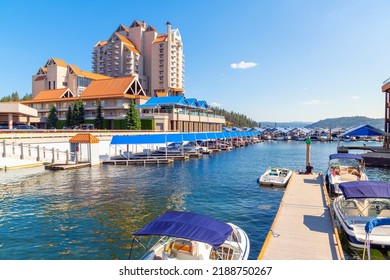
(275, 177)
(360, 203)
(171, 148)
(191, 236)
(344, 167)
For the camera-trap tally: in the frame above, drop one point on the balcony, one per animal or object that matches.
(117, 46)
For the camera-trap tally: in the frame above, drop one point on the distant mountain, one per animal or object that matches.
(284, 124)
(347, 122)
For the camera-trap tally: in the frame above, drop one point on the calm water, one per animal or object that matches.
(90, 213)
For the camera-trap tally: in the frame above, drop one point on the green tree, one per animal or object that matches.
(27, 96)
(78, 114)
(132, 119)
(99, 116)
(52, 118)
(69, 118)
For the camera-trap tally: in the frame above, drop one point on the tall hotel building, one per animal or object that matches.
(156, 59)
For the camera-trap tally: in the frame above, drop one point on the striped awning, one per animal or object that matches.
(84, 138)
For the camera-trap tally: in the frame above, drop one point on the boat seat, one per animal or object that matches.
(181, 245)
(384, 214)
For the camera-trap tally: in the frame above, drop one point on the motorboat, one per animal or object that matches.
(275, 177)
(344, 167)
(360, 203)
(171, 148)
(192, 236)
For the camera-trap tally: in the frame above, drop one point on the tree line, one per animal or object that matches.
(15, 97)
(234, 119)
(75, 116)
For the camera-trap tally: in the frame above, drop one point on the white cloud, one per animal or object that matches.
(313, 102)
(355, 97)
(215, 104)
(243, 65)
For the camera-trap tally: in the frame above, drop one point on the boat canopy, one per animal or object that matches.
(344, 155)
(365, 189)
(189, 226)
(376, 223)
(363, 130)
(177, 137)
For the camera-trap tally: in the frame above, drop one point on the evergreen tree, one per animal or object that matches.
(132, 119)
(27, 96)
(69, 118)
(52, 118)
(99, 116)
(78, 114)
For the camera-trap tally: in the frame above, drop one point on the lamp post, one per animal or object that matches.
(308, 143)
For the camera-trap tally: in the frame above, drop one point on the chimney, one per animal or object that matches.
(169, 31)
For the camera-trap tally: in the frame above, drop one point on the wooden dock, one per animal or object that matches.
(303, 228)
(140, 161)
(66, 166)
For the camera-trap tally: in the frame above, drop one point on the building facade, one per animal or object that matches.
(156, 59)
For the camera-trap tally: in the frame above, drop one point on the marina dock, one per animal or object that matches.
(303, 228)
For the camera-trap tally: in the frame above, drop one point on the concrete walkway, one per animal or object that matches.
(12, 163)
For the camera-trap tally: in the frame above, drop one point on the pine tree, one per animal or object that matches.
(132, 119)
(78, 114)
(69, 119)
(52, 118)
(99, 116)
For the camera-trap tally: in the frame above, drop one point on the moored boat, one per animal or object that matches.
(275, 177)
(191, 236)
(360, 203)
(344, 167)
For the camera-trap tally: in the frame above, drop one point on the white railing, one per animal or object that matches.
(36, 153)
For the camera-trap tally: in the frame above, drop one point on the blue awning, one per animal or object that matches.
(343, 155)
(189, 226)
(138, 139)
(365, 189)
(364, 130)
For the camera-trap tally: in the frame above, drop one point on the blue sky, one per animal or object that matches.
(271, 60)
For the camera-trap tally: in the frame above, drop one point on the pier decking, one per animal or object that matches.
(303, 228)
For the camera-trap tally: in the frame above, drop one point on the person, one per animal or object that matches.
(309, 168)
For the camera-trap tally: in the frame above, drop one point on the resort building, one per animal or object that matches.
(386, 90)
(62, 85)
(177, 113)
(135, 64)
(138, 50)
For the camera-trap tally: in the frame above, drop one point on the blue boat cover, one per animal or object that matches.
(376, 223)
(189, 226)
(365, 189)
(363, 130)
(343, 155)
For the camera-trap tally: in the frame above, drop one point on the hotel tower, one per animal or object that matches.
(156, 59)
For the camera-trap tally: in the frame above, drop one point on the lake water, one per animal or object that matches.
(90, 213)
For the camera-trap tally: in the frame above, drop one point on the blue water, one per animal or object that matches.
(90, 213)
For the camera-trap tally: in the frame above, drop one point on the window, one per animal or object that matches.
(54, 84)
(49, 85)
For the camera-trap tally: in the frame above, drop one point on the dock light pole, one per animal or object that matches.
(308, 143)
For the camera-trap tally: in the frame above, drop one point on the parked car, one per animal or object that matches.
(25, 126)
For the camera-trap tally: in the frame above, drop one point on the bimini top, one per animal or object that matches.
(343, 155)
(365, 189)
(189, 226)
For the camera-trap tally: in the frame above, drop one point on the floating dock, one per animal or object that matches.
(303, 228)
(140, 161)
(66, 166)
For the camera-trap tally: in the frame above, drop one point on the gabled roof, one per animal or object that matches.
(84, 138)
(363, 130)
(101, 43)
(160, 38)
(121, 27)
(81, 73)
(127, 43)
(42, 71)
(154, 102)
(203, 104)
(193, 102)
(52, 94)
(113, 87)
(57, 61)
(137, 23)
